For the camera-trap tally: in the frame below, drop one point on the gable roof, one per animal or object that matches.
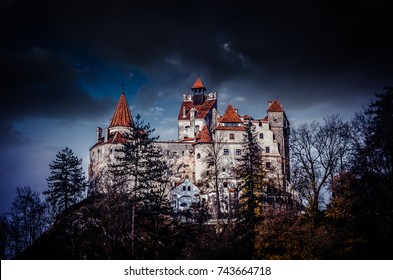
(122, 115)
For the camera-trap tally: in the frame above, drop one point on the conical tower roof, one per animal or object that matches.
(198, 85)
(204, 135)
(122, 115)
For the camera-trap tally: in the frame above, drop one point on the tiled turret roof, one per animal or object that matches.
(204, 135)
(198, 85)
(275, 107)
(122, 115)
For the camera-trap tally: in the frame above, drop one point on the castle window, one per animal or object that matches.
(260, 135)
(174, 153)
(167, 152)
(225, 184)
(189, 188)
(232, 136)
(184, 188)
(198, 155)
(267, 165)
(182, 153)
(260, 124)
(238, 152)
(274, 136)
(226, 152)
(267, 149)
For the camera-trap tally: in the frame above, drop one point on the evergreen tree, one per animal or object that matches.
(143, 176)
(67, 182)
(251, 175)
(373, 166)
(4, 230)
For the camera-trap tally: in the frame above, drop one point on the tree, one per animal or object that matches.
(142, 175)
(215, 162)
(319, 151)
(27, 219)
(372, 164)
(4, 230)
(251, 175)
(67, 182)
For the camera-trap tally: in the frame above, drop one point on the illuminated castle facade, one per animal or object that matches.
(202, 130)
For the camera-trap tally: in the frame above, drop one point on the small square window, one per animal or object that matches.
(231, 136)
(226, 152)
(238, 152)
(267, 165)
(267, 149)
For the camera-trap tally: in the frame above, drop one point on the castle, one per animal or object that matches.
(202, 130)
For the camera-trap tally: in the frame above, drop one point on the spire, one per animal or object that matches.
(198, 85)
(230, 115)
(122, 115)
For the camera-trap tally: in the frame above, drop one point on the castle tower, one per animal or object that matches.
(103, 152)
(196, 111)
(279, 125)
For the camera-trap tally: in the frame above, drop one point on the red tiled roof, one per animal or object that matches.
(202, 110)
(198, 84)
(230, 116)
(275, 107)
(265, 119)
(204, 135)
(114, 138)
(246, 117)
(234, 128)
(122, 115)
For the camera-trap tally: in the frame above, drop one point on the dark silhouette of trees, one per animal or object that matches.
(143, 177)
(4, 229)
(251, 175)
(372, 166)
(318, 152)
(26, 220)
(67, 182)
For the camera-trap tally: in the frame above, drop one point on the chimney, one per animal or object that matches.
(106, 135)
(99, 134)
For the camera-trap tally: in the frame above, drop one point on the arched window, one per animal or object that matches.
(198, 155)
(260, 135)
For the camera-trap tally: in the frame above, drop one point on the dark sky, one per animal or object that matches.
(63, 63)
